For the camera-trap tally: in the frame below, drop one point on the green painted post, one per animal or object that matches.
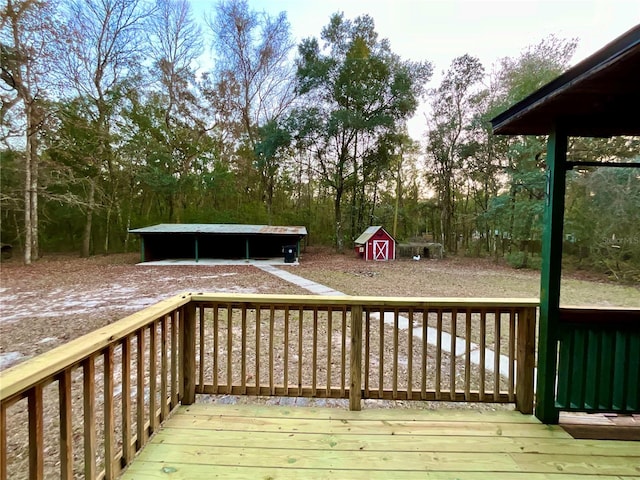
(197, 256)
(247, 248)
(141, 248)
(546, 410)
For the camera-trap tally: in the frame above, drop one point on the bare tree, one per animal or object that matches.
(255, 73)
(252, 50)
(175, 43)
(26, 30)
(105, 48)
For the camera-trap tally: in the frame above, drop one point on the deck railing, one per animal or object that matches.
(87, 407)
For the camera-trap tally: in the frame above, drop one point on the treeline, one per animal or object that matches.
(124, 113)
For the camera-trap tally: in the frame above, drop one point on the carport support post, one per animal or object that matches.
(197, 256)
(546, 410)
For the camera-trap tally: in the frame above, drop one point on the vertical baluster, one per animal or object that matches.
(300, 334)
(454, 337)
(438, 352)
(425, 342)
(89, 420)
(396, 341)
(243, 359)
(467, 357)
(272, 320)
(229, 349)
(153, 376)
(202, 348)
(180, 352)
(367, 350)
(36, 436)
(258, 348)
(126, 400)
(329, 332)
(355, 358)
(3, 442)
(140, 371)
(343, 366)
(109, 422)
(314, 362)
(216, 318)
(496, 357)
(174, 360)
(410, 355)
(164, 409)
(512, 354)
(285, 380)
(381, 357)
(483, 352)
(66, 425)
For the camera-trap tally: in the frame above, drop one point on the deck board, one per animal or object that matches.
(244, 441)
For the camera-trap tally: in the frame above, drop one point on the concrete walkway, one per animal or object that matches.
(311, 286)
(403, 324)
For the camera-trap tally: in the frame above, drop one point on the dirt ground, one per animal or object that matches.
(62, 297)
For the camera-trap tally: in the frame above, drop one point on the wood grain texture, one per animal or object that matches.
(36, 370)
(245, 441)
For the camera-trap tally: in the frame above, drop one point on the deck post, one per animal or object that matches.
(355, 364)
(189, 354)
(546, 410)
(526, 358)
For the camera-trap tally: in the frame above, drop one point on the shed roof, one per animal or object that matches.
(599, 96)
(221, 229)
(368, 233)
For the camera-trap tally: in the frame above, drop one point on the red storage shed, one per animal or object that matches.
(375, 243)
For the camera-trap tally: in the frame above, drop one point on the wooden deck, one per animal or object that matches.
(272, 442)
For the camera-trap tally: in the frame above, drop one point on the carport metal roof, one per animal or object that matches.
(220, 229)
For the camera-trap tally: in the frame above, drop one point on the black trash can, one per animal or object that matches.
(290, 253)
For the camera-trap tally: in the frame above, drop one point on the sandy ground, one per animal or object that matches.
(62, 297)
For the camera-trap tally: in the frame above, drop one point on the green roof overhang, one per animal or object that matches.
(598, 97)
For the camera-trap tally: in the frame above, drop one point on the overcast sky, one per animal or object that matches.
(440, 30)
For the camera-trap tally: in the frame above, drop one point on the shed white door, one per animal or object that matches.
(381, 249)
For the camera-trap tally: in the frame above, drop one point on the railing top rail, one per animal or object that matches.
(347, 300)
(17, 379)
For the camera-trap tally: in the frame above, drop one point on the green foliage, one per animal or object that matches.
(138, 137)
(359, 92)
(602, 218)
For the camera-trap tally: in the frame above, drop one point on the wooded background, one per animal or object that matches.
(112, 120)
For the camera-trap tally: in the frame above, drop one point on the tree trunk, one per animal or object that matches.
(31, 184)
(86, 237)
(338, 220)
(398, 194)
(35, 247)
(107, 231)
(27, 201)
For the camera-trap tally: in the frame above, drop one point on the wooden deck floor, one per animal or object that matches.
(205, 441)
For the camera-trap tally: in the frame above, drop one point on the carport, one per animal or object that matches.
(197, 241)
